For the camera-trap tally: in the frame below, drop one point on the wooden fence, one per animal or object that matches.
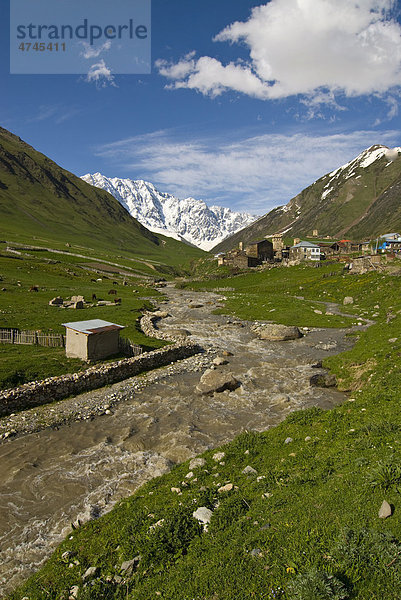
(56, 340)
(33, 338)
(129, 348)
(126, 346)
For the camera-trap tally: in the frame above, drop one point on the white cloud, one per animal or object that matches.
(251, 173)
(302, 47)
(92, 52)
(100, 74)
(56, 113)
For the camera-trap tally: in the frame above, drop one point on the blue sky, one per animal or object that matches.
(247, 102)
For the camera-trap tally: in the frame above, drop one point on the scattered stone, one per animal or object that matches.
(323, 380)
(161, 314)
(73, 593)
(220, 360)
(318, 312)
(392, 340)
(189, 475)
(157, 524)
(216, 381)
(288, 440)
(227, 353)
(203, 515)
(195, 305)
(197, 462)
(385, 510)
(89, 573)
(277, 333)
(57, 301)
(249, 471)
(179, 333)
(348, 300)
(176, 490)
(129, 565)
(328, 346)
(256, 552)
(225, 488)
(219, 456)
(308, 438)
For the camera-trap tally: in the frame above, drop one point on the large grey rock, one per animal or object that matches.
(277, 333)
(216, 381)
(203, 515)
(57, 301)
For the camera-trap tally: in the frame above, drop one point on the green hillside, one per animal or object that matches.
(42, 203)
(356, 201)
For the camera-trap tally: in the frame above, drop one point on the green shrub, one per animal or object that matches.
(385, 475)
(366, 552)
(317, 585)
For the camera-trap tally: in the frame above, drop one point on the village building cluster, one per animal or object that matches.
(273, 250)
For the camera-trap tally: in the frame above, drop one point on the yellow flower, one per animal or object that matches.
(290, 570)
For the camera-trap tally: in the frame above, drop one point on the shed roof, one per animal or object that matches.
(93, 326)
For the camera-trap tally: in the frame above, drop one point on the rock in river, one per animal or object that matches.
(277, 333)
(216, 381)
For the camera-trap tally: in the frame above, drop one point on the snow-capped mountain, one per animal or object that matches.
(188, 220)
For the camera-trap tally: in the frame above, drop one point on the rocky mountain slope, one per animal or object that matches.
(360, 199)
(189, 220)
(41, 201)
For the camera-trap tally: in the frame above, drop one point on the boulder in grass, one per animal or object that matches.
(385, 510)
(203, 515)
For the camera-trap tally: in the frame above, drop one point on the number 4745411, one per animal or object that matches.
(42, 47)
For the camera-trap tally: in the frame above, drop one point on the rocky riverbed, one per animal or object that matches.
(74, 459)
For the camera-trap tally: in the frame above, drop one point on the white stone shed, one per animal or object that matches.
(92, 340)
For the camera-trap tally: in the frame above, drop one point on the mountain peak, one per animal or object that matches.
(188, 220)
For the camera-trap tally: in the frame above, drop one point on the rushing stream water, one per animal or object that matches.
(51, 478)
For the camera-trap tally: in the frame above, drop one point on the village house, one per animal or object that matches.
(252, 256)
(92, 340)
(305, 251)
(389, 242)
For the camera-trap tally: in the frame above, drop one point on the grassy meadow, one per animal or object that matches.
(303, 523)
(63, 275)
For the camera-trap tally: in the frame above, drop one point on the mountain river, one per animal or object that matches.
(54, 477)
